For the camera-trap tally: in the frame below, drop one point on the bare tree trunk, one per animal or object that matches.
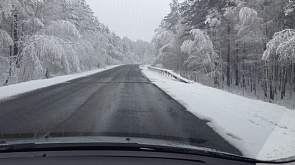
(293, 76)
(265, 84)
(251, 79)
(248, 74)
(284, 78)
(272, 83)
(244, 68)
(11, 53)
(237, 65)
(221, 75)
(228, 54)
(15, 35)
(255, 81)
(292, 82)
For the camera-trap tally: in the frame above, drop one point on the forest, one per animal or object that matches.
(47, 38)
(246, 47)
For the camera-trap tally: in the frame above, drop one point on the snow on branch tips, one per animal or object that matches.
(5, 39)
(5, 8)
(282, 46)
(49, 55)
(250, 28)
(33, 22)
(286, 50)
(188, 46)
(63, 29)
(201, 51)
(162, 36)
(247, 14)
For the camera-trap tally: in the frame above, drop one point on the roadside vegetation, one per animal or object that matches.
(242, 46)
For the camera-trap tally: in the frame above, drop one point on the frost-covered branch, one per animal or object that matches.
(201, 51)
(62, 29)
(47, 54)
(5, 8)
(5, 39)
(281, 46)
(250, 28)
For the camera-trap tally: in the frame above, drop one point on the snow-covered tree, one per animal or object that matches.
(5, 43)
(32, 25)
(201, 52)
(62, 29)
(5, 39)
(45, 56)
(44, 38)
(281, 47)
(239, 31)
(250, 28)
(5, 8)
(162, 37)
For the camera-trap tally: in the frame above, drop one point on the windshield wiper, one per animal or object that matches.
(29, 147)
(15, 147)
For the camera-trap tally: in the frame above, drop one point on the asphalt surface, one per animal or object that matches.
(116, 102)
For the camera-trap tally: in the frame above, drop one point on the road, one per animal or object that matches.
(116, 102)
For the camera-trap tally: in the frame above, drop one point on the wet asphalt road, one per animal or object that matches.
(116, 102)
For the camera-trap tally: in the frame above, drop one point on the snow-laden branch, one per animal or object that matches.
(5, 8)
(162, 36)
(247, 14)
(48, 54)
(62, 29)
(188, 47)
(5, 39)
(250, 28)
(281, 46)
(201, 51)
(33, 22)
(286, 50)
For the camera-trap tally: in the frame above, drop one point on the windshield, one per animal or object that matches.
(215, 75)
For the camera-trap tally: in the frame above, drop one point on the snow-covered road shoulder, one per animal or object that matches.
(15, 89)
(260, 130)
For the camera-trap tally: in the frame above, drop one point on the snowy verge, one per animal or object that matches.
(15, 89)
(260, 130)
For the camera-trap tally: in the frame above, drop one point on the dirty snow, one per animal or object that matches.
(260, 130)
(15, 89)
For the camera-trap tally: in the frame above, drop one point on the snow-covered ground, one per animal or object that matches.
(15, 89)
(260, 130)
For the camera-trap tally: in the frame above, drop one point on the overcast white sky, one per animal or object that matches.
(135, 19)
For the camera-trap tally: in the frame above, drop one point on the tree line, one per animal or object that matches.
(46, 38)
(246, 45)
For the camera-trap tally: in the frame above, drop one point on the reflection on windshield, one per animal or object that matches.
(203, 73)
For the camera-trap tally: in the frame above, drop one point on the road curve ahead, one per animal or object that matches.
(116, 102)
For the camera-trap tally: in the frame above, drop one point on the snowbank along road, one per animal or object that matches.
(116, 102)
